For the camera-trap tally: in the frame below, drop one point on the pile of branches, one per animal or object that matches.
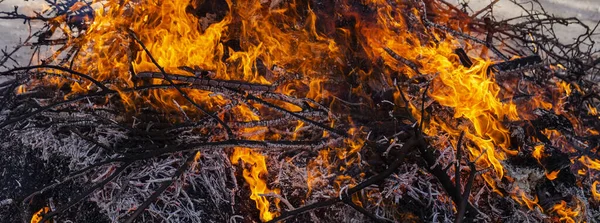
(146, 165)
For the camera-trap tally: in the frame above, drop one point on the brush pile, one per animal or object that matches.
(302, 111)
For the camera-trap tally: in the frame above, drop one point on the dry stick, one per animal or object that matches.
(437, 171)
(14, 15)
(8, 93)
(462, 207)
(443, 178)
(420, 128)
(258, 144)
(399, 58)
(484, 9)
(458, 158)
(79, 98)
(238, 85)
(8, 82)
(93, 141)
(168, 79)
(100, 85)
(362, 210)
(415, 141)
(33, 113)
(162, 188)
(82, 196)
(460, 34)
(406, 103)
(8, 55)
(309, 121)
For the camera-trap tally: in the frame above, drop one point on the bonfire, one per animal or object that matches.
(298, 111)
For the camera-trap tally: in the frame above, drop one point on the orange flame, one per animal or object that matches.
(196, 159)
(531, 203)
(538, 151)
(566, 213)
(37, 217)
(552, 175)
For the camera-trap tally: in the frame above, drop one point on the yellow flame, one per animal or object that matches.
(253, 177)
(592, 110)
(596, 191)
(538, 151)
(566, 87)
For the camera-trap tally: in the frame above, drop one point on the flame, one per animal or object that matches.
(564, 86)
(472, 92)
(566, 213)
(21, 89)
(590, 163)
(531, 203)
(552, 175)
(538, 152)
(592, 110)
(37, 217)
(253, 175)
(196, 159)
(596, 191)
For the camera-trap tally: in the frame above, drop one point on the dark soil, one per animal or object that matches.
(23, 172)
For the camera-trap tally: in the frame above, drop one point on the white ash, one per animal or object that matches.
(525, 179)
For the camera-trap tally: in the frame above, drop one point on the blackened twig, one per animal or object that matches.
(462, 207)
(360, 209)
(443, 178)
(458, 159)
